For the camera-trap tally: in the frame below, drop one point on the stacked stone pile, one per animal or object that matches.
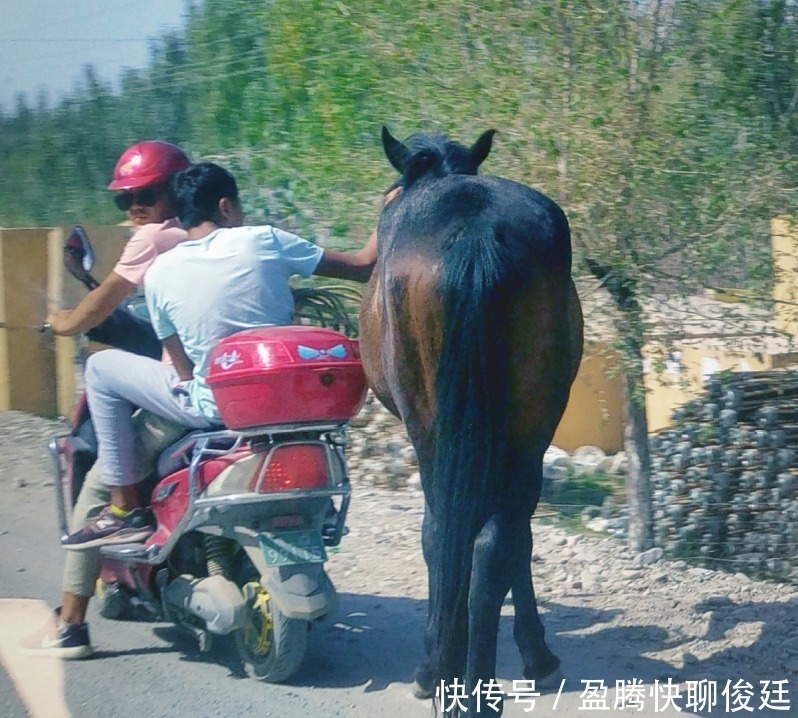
(725, 478)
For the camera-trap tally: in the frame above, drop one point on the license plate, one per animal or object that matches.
(288, 548)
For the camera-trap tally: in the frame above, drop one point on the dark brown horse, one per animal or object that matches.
(471, 333)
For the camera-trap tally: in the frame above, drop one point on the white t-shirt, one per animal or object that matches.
(233, 279)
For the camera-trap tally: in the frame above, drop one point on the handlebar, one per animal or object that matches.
(41, 328)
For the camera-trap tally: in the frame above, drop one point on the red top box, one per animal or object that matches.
(286, 375)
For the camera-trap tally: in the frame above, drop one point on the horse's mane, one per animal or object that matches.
(438, 155)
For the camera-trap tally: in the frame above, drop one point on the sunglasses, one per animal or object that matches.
(147, 197)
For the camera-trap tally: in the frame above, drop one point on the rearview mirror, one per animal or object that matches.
(78, 245)
(79, 256)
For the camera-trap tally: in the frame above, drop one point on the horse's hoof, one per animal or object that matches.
(423, 682)
(421, 692)
(550, 682)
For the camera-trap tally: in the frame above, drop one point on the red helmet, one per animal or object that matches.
(146, 163)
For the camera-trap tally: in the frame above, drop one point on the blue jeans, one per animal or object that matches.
(117, 383)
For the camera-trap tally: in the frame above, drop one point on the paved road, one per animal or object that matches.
(359, 663)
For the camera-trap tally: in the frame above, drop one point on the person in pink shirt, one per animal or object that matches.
(141, 179)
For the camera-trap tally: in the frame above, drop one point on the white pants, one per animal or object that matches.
(117, 383)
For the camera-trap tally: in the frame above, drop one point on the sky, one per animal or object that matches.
(46, 43)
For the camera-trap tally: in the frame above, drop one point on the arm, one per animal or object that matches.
(95, 307)
(183, 365)
(357, 266)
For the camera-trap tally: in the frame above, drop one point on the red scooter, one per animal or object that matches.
(243, 514)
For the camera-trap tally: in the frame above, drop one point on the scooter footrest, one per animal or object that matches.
(129, 552)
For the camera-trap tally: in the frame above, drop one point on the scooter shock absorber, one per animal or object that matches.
(218, 556)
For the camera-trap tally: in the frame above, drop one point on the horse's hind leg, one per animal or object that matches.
(497, 558)
(540, 664)
(424, 683)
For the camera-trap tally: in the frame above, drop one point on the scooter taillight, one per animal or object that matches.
(296, 467)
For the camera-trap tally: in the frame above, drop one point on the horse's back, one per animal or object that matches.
(530, 226)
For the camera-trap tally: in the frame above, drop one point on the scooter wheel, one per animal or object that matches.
(271, 646)
(114, 603)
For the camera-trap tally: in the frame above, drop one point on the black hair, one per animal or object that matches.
(197, 191)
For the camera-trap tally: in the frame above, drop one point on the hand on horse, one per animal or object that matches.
(391, 196)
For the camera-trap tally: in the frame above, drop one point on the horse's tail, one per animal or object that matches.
(471, 422)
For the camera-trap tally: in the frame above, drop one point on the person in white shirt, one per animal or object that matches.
(223, 279)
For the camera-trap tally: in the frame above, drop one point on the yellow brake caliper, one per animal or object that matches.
(259, 627)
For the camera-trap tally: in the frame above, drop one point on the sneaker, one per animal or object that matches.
(57, 639)
(106, 528)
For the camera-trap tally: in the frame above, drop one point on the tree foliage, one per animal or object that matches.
(669, 121)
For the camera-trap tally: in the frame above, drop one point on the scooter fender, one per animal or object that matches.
(303, 591)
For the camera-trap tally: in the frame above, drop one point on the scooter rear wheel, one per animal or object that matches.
(271, 646)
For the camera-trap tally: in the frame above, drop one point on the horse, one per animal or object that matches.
(471, 334)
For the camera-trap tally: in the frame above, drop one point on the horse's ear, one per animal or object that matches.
(481, 148)
(397, 153)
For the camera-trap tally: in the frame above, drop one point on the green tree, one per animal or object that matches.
(661, 173)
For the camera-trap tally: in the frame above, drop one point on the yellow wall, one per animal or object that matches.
(594, 415)
(784, 239)
(27, 359)
(668, 390)
(595, 411)
(65, 347)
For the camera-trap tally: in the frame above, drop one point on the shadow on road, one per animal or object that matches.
(755, 669)
(374, 641)
(370, 641)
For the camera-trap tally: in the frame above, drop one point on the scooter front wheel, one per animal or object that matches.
(271, 646)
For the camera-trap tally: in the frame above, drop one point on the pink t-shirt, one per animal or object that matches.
(144, 246)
